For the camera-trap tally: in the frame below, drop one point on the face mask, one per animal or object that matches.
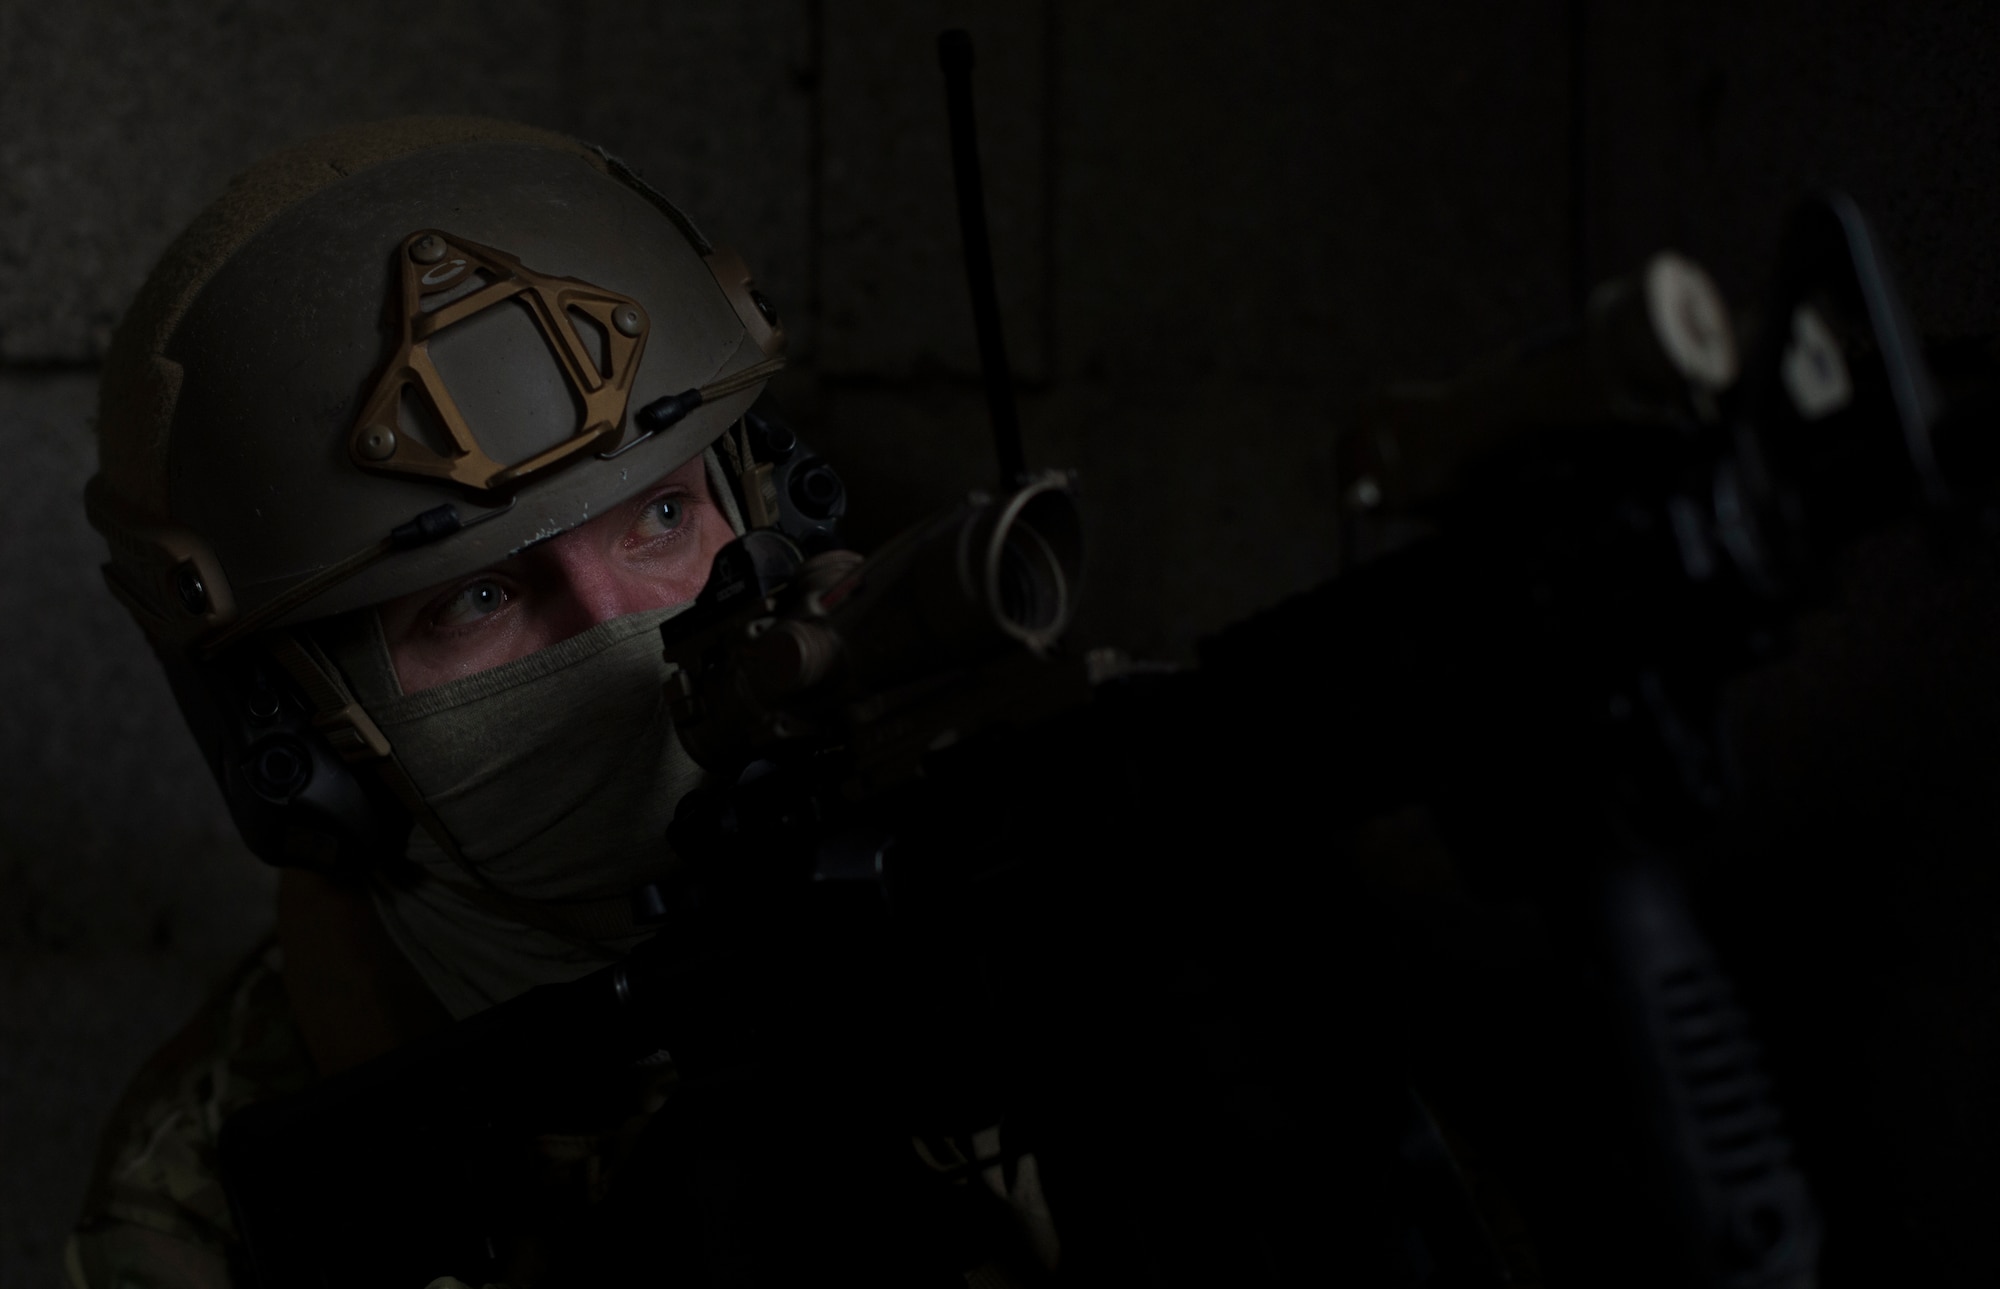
(557, 775)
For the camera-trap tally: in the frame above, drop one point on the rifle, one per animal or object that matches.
(950, 877)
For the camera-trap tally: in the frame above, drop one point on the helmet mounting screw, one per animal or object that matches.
(375, 442)
(628, 320)
(281, 768)
(262, 704)
(428, 249)
(188, 585)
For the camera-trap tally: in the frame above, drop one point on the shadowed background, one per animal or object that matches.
(1215, 227)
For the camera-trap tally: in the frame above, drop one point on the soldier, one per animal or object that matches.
(376, 489)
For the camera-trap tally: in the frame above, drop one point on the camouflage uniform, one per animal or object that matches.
(155, 1214)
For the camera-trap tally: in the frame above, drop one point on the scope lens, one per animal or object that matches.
(1031, 565)
(1026, 598)
(1030, 586)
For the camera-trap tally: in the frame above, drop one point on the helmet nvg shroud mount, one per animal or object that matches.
(382, 359)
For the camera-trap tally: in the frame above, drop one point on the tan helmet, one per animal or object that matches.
(397, 353)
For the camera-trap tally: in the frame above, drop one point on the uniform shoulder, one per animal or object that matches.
(155, 1213)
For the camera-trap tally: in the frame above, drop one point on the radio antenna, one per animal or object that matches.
(955, 56)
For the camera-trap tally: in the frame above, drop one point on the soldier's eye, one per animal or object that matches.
(664, 514)
(470, 603)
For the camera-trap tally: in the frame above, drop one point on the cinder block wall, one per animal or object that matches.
(1216, 226)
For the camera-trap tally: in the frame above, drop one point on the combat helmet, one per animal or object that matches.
(384, 358)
